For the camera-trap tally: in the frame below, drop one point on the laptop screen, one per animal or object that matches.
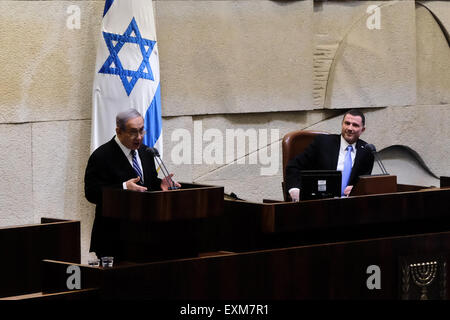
(320, 184)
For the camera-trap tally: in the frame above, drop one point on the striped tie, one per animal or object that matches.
(136, 166)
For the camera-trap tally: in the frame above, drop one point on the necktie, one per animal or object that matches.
(136, 166)
(347, 168)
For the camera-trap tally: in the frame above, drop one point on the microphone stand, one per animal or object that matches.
(380, 164)
(163, 169)
(372, 148)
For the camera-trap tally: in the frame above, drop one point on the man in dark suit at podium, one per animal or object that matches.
(123, 162)
(344, 152)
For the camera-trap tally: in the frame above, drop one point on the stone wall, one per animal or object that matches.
(255, 68)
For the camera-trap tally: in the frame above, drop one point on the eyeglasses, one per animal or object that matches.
(135, 133)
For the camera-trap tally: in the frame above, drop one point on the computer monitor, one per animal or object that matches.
(320, 184)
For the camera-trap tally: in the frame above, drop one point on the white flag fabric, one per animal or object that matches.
(127, 71)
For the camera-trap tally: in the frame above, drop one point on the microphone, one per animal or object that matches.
(161, 164)
(372, 149)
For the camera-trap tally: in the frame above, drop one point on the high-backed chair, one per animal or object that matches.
(295, 142)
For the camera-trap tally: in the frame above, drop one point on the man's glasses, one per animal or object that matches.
(135, 133)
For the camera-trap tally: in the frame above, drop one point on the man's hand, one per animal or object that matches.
(165, 183)
(132, 185)
(295, 194)
(347, 190)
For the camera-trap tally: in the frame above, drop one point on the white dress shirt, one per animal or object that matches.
(343, 152)
(127, 153)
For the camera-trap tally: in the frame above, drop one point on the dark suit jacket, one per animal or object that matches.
(108, 167)
(323, 154)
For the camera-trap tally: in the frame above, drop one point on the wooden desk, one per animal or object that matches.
(308, 250)
(23, 247)
(326, 271)
(267, 225)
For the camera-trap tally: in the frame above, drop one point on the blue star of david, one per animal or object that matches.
(112, 65)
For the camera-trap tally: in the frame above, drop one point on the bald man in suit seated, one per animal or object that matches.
(328, 152)
(123, 162)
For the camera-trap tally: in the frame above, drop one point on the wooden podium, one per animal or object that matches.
(376, 184)
(158, 225)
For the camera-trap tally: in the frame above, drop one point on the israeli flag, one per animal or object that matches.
(127, 71)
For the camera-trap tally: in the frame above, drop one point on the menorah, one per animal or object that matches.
(423, 275)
